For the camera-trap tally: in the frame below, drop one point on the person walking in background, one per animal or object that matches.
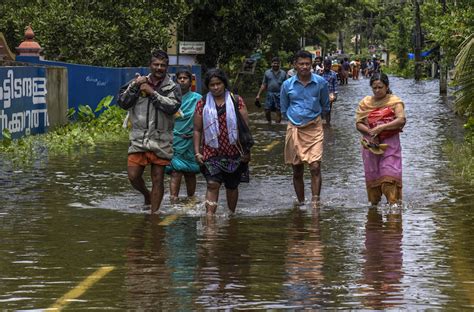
(304, 100)
(318, 65)
(380, 118)
(151, 102)
(183, 162)
(363, 68)
(345, 69)
(331, 77)
(272, 81)
(216, 140)
(355, 65)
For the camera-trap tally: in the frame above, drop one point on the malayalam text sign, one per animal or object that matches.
(23, 109)
(192, 47)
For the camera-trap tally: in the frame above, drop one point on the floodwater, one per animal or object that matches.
(73, 235)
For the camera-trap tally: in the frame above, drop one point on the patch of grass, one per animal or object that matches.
(462, 155)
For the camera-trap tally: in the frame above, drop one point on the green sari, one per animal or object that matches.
(183, 150)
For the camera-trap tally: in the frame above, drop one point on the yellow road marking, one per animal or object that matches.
(271, 146)
(80, 289)
(169, 219)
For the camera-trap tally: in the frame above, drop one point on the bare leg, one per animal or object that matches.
(212, 196)
(190, 180)
(298, 182)
(278, 116)
(232, 198)
(315, 169)
(175, 184)
(268, 116)
(158, 187)
(391, 192)
(135, 176)
(374, 195)
(328, 118)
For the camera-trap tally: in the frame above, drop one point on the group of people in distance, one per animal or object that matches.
(176, 131)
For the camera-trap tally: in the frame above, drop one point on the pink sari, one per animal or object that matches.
(383, 173)
(386, 167)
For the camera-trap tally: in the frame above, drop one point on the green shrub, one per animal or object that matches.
(85, 132)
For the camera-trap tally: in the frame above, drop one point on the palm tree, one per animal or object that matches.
(464, 78)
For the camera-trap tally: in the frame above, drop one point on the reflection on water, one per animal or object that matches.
(304, 261)
(62, 218)
(223, 264)
(160, 266)
(383, 266)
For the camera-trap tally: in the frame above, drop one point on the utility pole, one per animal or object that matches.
(418, 42)
(443, 67)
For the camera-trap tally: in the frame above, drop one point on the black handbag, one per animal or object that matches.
(245, 137)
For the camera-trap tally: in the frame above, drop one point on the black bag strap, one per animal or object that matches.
(235, 99)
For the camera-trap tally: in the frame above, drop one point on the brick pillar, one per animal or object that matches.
(29, 47)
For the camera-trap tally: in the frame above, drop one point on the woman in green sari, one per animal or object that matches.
(183, 162)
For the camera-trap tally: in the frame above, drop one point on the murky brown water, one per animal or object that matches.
(63, 218)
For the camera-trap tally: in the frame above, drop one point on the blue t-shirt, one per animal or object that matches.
(302, 104)
(274, 80)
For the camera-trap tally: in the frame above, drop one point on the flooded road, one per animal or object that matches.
(73, 235)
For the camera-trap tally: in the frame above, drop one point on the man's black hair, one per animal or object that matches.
(303, 54)
(159, 54)
(185, 71)
(276, 59)
(217, 73)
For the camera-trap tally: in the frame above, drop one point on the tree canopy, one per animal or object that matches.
(121, 33)
(106, 33)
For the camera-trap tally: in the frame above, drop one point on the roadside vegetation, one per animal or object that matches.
(83, 132)
(462, 155)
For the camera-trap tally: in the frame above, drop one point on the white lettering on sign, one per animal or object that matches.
(22, 121)
(17, 88)
(192, 47)
(97, 81)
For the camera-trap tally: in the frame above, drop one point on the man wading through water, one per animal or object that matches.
(272, 81)
(304, 100)
(151, 102)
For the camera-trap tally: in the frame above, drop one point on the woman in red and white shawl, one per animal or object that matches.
(216, 140)
(380, 118)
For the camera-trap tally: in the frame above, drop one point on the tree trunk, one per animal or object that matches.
(418, 61)
(341, 41)
(443, 68)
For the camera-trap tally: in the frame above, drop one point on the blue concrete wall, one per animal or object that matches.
(87, 85)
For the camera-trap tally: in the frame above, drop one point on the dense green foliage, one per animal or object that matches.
(462, 155)
(105, 33)
(84, 133)
(464, 78)
(117, 33)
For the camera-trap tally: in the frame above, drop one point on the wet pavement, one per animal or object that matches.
(73, 223)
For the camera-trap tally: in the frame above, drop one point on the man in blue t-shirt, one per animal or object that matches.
(272, 81)
(305, 102)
